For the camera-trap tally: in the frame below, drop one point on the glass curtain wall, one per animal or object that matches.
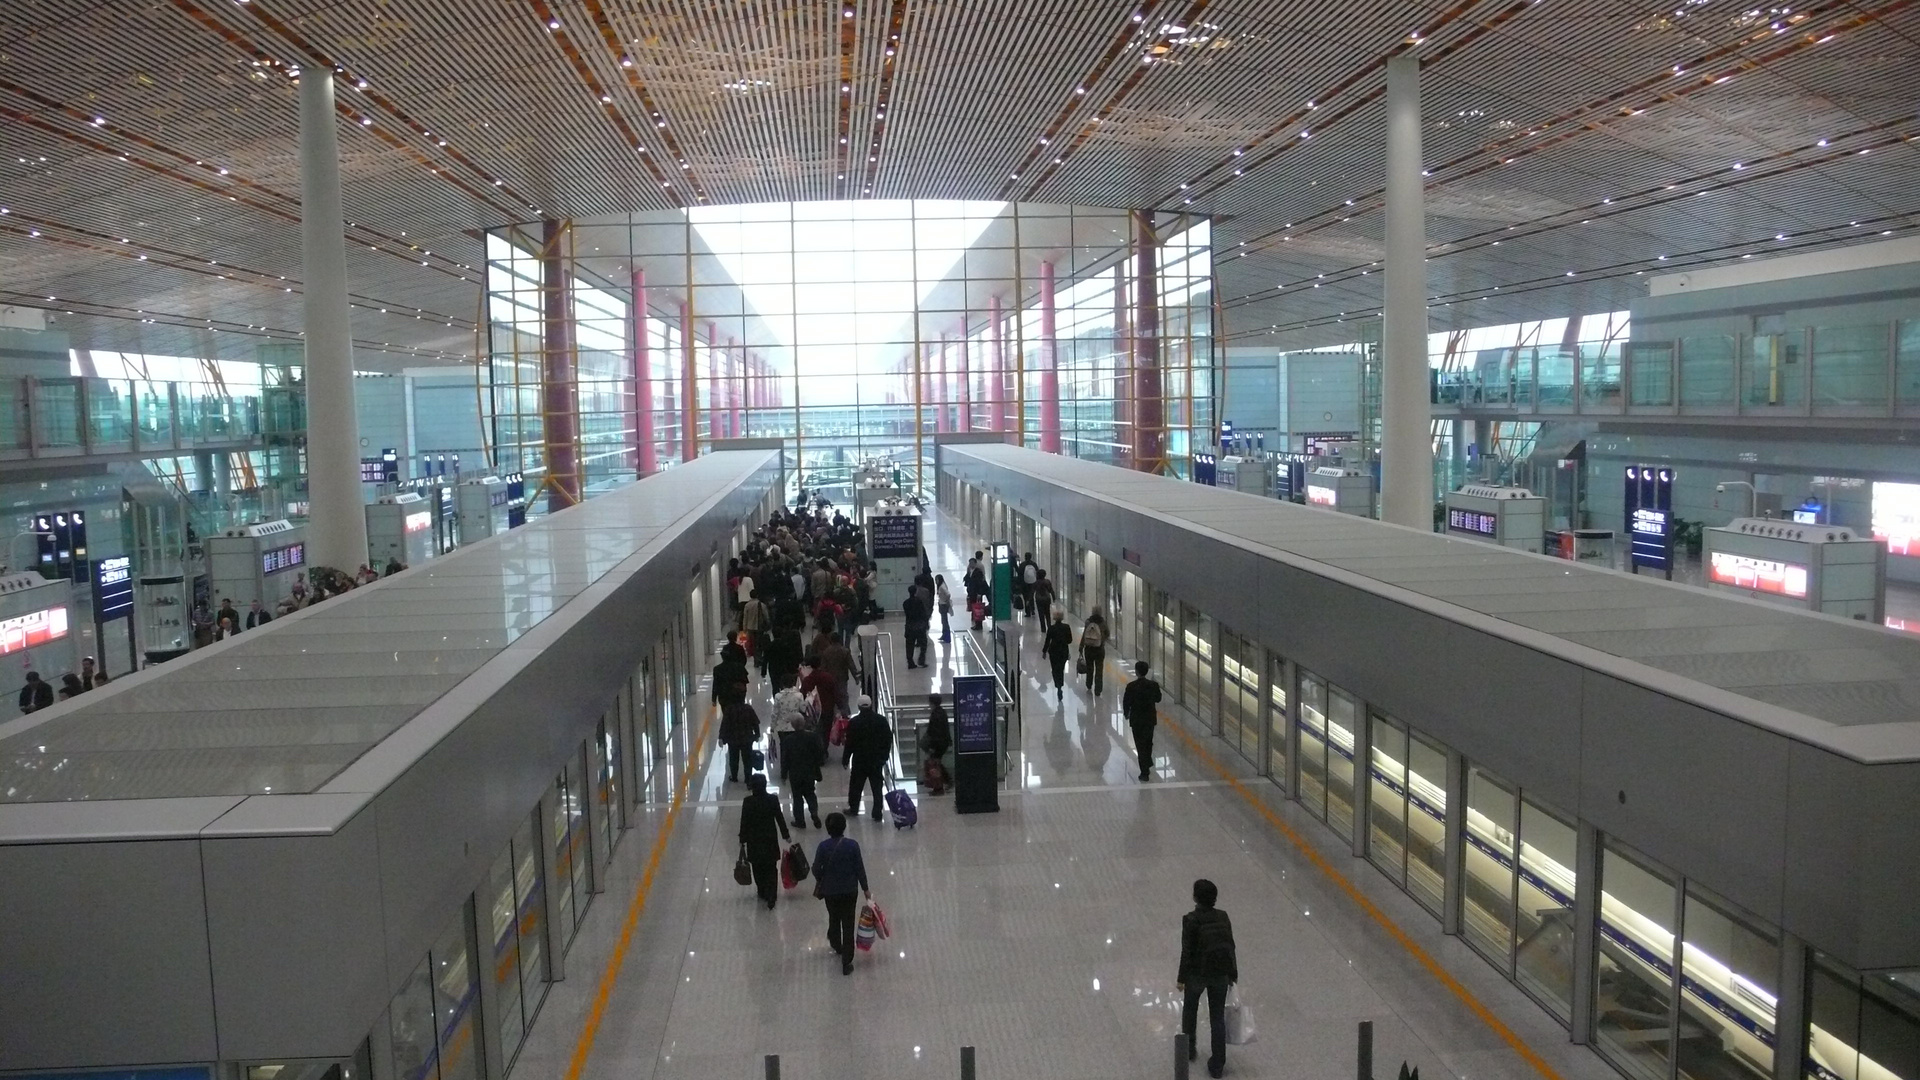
(854, 330)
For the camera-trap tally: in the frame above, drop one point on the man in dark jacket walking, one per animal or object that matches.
(37, 694)
(1058, 646)
(802, 754)
(762, 831)
(1139, 702)
(739, 730)
(869, 741)
(1208, 963)
(919, 620)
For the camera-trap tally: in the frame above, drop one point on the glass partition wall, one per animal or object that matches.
(853, 330)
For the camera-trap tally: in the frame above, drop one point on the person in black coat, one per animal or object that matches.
(1140, 702)
(783, 656)
(762, 832)
(1209, 963)
(37, 694)
(802, 755)
(1058, 646)
(739, 730)
(869, 741)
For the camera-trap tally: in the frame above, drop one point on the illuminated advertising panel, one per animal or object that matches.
(1759, 575)
(1472, 521)
(1896, 517)
(417, 522)
(1321, 496)
(26, 631)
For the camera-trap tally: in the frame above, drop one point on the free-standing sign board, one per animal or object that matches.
(976, 745)
(1650, 517)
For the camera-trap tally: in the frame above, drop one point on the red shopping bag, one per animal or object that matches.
(837, 735)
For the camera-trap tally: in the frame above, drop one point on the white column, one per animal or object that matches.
(1406, 443)
(337, 529)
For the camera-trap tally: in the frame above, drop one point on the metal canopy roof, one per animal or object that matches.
(283, 709)
(1563, 136)
(1850, 686)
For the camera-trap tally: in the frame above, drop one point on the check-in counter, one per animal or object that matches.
(257, 562)
(1818, 567)
(483, 507)
(1349, 491)
(400, 527)
(1509, 516)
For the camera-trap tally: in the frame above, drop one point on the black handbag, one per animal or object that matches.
(742, 871)
(797, 863)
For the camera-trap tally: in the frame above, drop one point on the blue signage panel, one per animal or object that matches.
(1204, 468)
(1649, 503)
(112, 589)
(895, 536)
(976, 757)
(973, 714)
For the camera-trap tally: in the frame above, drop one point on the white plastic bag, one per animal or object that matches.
(1240, 1027)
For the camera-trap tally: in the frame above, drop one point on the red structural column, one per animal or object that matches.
(738, 389)
(965, 419)
(997, 335)
(716, 385)
(644, 459)
(1149, 407)
(1049, 369)
(689, 388)
(558, 412)
(1122, 364)
(940, 389)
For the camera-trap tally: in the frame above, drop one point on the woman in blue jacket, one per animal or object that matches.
(840, 879)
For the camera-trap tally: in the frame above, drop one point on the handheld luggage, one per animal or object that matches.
(1240, 1029)
(871, 926)
(796, 864)
(742, 871)
(905, 816)
(934, 775)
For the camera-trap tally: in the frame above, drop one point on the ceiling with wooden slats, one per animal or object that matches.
(150, 184)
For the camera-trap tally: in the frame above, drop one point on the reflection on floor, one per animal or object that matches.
(1046, 935)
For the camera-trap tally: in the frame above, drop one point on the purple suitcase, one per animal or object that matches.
(901, 806)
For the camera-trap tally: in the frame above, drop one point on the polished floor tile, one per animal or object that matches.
(1046, 936)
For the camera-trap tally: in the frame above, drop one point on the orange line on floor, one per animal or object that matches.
(1353, 892)
(604, 992)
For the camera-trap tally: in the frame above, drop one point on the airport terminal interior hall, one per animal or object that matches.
(435, 433)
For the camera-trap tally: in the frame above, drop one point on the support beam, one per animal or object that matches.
(689, 387)
(1149, 405)
(964, 422)
(1406, 443)
(1049, 365)
(559, 413)
(337, 529)
(645, 461)
(997, 335)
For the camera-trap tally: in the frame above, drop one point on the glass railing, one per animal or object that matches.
(1857, 370)
(70, 417)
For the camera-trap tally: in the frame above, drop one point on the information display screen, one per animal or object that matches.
(895, 536)
(113, 589)
(283, 558)
(1473, 521)
(1322, 496)
(1896, 517)
(417, 522)
(1759, 575)
(973, 714)
(26, 631)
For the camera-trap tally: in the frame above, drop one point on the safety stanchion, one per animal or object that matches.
(1363, 1069)
(966, 1063)
(1180, 1056)
(773, 1067)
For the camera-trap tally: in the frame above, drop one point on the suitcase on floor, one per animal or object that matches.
(900, 804)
